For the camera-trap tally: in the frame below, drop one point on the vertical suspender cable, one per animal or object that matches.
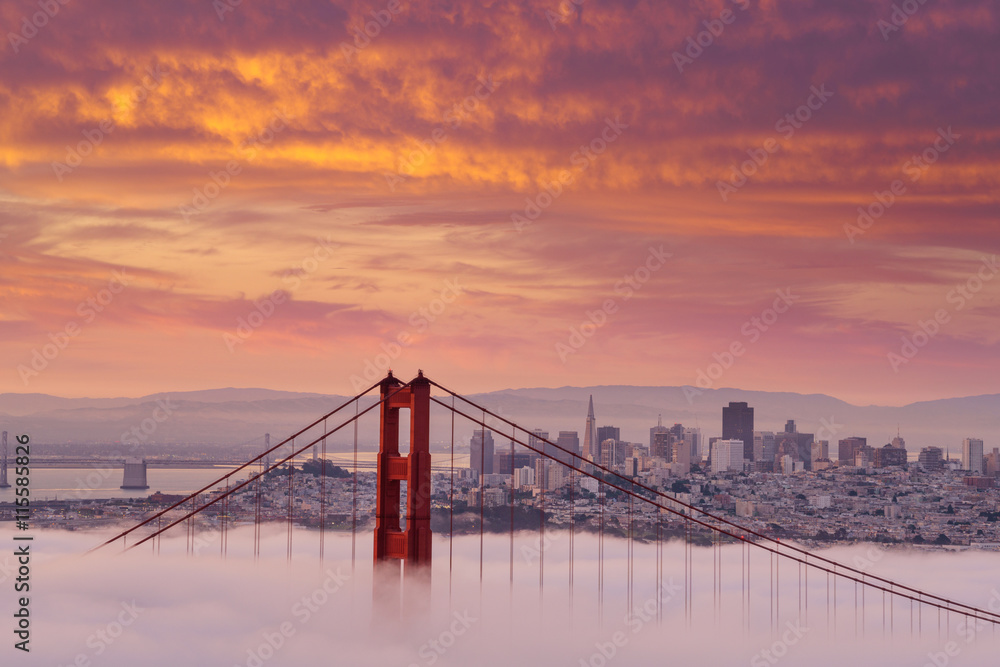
(451, 505)
(513, 434)
(354, 490)
(600, 555)
(572, 534)
(546, 468)
(322, 498)
(291, 469)
(482, 527)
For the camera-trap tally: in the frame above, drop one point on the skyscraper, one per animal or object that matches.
(972, 455)
(608, 433)
(820, 450)
(889, 456)
(992, 463)
(659, 428)
(692, 436)
(798, 445)
(727, 455)
(680, 458)
(764, 446)
(570, 441)
(612, 453)
(590, 434)
(481, 450)
(848, 447)
(524, 477)
(931, 458)
(537, 440)
(549, 475)
(737, 424)
(662, 445)
(502, 461)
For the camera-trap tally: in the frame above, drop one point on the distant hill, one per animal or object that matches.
(231, 416)
(29, 404)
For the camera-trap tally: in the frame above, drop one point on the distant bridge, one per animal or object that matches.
(65, 462)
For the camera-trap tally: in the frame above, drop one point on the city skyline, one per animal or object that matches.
(755, 446)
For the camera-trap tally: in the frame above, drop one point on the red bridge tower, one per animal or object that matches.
(411, 545)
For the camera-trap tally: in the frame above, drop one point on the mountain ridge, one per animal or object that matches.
(232, 415)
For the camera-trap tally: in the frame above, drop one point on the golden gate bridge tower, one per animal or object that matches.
(410, 545)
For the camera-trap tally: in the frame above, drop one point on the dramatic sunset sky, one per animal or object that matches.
(360, 190)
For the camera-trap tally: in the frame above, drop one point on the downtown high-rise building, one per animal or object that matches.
(613, 452)
(820, 450)
(537, 438)
(992, 463)
(931, 458)
(549, 475)
(692, 436)
(538, 446)
(569, 441)
(972, 455)
(504, 462)
(797, 445)
(659, 428)
(680, 459)
(727, 455)
(764, 446)
(608, 433)
(848, 448)
(590, 442)
(524, 477)
(737, 424)
(481, 451)
(662, 447)
(662, 440)
(887, 456)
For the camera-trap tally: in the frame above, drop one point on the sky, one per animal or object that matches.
(132, 609)
(796, 196)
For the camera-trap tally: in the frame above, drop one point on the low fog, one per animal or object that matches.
(136, 608)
